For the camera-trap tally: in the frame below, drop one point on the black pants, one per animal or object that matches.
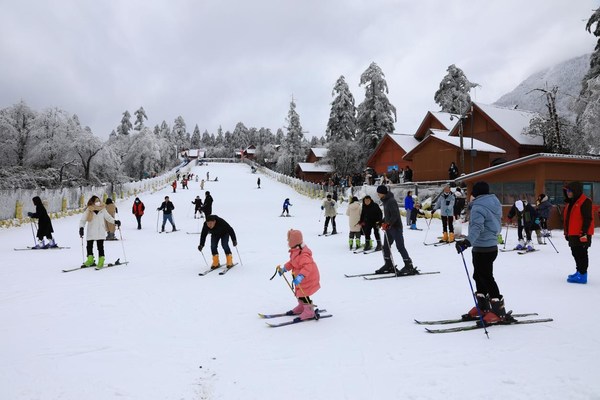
(394, 235)
(99, 244)
(520, 232)
(448, 224)
(367, 231)
(327, 223)
(139, 221)
(483, 273)
(580, 254)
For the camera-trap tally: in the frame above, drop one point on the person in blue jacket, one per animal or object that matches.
(286, 209)
(484, 226)
(409, 203)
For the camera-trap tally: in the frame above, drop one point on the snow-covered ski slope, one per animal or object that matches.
(154, 329)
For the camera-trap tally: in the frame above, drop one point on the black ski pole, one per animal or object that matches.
(390, 250)
(505, 238)
(121, 238)
(552, 244)
(474, 298)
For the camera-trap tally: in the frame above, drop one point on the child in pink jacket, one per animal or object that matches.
(305, 272)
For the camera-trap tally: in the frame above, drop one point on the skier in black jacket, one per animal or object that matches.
(208, 201)
(219, 229)
(44, 224)
(197, 206)
(370, 217)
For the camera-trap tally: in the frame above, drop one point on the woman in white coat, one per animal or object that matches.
(353, 213)
(94, 216)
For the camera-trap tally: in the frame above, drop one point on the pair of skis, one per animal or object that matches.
(318, 315)
(329, 234)
(375, 276)
(116, 263)
(222, 272)
(477, 324)
(41, 248)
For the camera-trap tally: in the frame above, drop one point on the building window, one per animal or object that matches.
(554, 191)
(509, 192)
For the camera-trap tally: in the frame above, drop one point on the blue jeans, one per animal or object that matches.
(394, 235)
(168, 217)
(214, 241)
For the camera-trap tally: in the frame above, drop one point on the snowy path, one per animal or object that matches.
(156, 330)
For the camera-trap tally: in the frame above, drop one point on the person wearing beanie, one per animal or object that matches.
(392, 227)
(219, 230)
(445, 203)
(353, 213)
(370, 218)
(578, 229)
(526, 217)
(306, 275)
(329, 205)
(485, 223)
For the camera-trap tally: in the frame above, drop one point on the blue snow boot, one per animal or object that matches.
(413, 227)
(577, 278)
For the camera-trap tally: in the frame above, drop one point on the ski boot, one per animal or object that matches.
(451, 237)
(529, 246)
(498, 314)
(100, 262)
(350, 242)
(521, 245)
(89, 261)
(408, 268)
(445, 237)
(378, 247)
(229, 258)
(40, 244)
(387, 268)
(484, 306)
(308, 312)
(296, 310)
(368, 245)
(215, 262)
(577, 278)
(52, 244)
(357, 243)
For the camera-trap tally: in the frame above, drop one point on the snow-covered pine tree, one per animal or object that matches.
(587, 108)
(292, 145)
(376, 115)
(179, 133)
(195, 140)
(16, 127)
(125, 125)
(453, 95)
(140, 116)
(342, 117)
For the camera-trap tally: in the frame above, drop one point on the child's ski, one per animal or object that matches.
(297, 321)
(227, 269)
(285, 314)
(41, 248)
(526, 251)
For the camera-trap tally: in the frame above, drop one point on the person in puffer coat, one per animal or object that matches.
(44, 225)
(94, 216)
(484, 227)
(353, 213)
(543, 208)
(445, 203)
(330, 208)
(370, 218)
(306, 275)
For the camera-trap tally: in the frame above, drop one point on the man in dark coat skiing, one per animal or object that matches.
(219, 229)
(44, 225)
(370, 217)
(392, 227)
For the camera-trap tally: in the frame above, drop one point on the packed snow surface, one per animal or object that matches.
(154, 329)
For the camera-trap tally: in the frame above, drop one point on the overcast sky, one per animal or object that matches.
(220, 62)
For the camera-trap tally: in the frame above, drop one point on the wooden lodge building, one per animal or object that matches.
(311, 170)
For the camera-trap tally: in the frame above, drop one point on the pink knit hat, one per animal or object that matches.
(294, 238)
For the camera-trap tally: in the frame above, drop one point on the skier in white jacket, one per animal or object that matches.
(95, 215)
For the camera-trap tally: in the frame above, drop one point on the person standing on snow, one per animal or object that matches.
(286, 207)
(44, 225)
(445, 203)
(370, 218)
(138, 210)
(392, 230)
(330, 213)
(578, 229)
(258, 182)
(414, 214)
(202, 184)
(485, 223)
(111, 208)
(219, 230)
(353, 212)
(167, 208)
(95, 217)
(409, 203)
(525, 214)
(306, 275)
(208, 202)
(174, 185)
(543, 208)
(197, 206)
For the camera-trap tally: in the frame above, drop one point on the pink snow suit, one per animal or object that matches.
(302, 263)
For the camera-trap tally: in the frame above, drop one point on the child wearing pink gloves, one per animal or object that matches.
(306, 275)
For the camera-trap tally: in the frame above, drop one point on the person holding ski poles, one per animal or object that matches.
(445, 203)
(44, 224)
(353, 213)
(392, 227)
(167, 208)
(485, 223)
(306, 275)
(286, 207)
(330, 212)
(370, 217)
(94, 216)
(219, 230)
(197, 206)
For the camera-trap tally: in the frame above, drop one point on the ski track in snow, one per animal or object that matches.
(154, 329)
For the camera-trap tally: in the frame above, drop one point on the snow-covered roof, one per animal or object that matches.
(446, 119)
(250, 151)
(455, 140)
(314, 167)
(407, 142)
(196, 153)
(320, 152)
(513, 122)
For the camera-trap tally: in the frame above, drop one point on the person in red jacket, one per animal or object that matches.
(306, 275)
(138, 210)
(174, 185)
(578, 228)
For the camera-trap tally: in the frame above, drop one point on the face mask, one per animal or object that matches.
(97, 204)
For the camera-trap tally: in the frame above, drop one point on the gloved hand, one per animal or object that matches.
(385, 226)
(322, 208)
(30, 214)
(298, 279)
(235, 243)
(362, 223)
(118, 223)
(200, 247)
(158, 209)
(80, 232)
(583, 238)
(462, 245)
(281, 270)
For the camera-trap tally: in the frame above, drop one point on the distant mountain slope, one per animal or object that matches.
(566, 75)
